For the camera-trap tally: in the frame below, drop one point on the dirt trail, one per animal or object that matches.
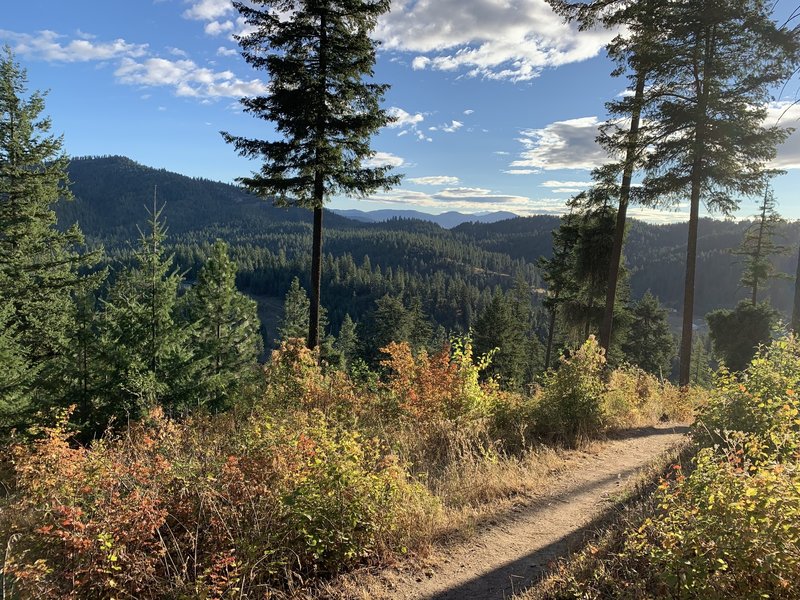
(512, 554)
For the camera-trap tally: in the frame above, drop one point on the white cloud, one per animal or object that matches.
(521, 171)
(566, 187)
(177, 52)
(384, 159)
(786, 114)
(469, 111)
(420, 62)
(187, 78)
(207, 10)
(223, 51)
(50, 46)
(562, 145)
(404, 118)
(434, 180)
(496, 39)
(217, 27)
(452, 127)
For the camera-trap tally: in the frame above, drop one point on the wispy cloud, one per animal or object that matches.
(186, 78)
(786, 114)
(385, 159)
(217, 27)
(223, 51)
(486, 38)
(434, 180)
(208, 10)
(566, 144)
(53, 47)
(566, 187)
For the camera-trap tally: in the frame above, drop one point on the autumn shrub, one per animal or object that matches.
(635, 398)
(762, 401)
(444, 385)
(210, 508)
(571, 400)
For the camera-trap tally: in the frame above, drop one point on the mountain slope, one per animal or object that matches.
(113, 194)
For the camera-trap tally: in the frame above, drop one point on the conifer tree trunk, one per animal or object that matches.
(607, 327)
(319, 190)
(550, 334)
(694, 214)
(316, 280)
(796, 310)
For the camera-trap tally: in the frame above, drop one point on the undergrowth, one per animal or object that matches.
(730, 527)
(320, 474)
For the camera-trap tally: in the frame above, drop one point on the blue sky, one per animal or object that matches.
(497, 100)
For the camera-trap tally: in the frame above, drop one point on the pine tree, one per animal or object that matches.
(317, 54)
(389, 321)
(84, 381)
(499, 330)
(711, 72)
(38, 262)
(737, 334)
(294, 323)
(701, 374)
(149, 361)
(225, 329)
(620, 136)
(650, 344)
(347, 341)
(15, 375)
(759, 245)
(557, 273)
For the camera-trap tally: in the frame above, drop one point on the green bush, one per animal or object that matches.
(571, 400)
(762, 401)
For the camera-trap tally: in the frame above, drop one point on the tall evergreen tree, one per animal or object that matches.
(84, 382)
(225, 331)
(15, 375)
(317, 54)
(712, 72)
(650, 344)
(759, 245)
(630, 51)
(499, 330)
(38, 262)
(347, 341)
(149, 361)
(557, 274)
(389, 321)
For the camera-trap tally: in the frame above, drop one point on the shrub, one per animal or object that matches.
(729, 529)
(207, 508)
(571, 402)
(762, 401)
(443, 385)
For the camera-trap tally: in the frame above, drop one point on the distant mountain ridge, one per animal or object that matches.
(446, 220)
(113, 193)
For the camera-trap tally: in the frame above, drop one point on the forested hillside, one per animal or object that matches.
(452, 270)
